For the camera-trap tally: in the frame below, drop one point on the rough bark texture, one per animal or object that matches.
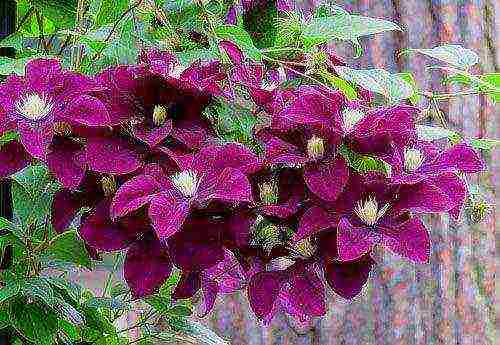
(451, 300)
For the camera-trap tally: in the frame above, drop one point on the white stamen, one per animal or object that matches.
(413, 159)
(315, 147)
(34, 107)
(368, 211)
(186, 182)
(159, 115)
(268, 192)
(350, 118)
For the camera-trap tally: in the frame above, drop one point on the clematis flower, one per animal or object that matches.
(215, 173)
(424, 162)
(45, 96)
(371, 211)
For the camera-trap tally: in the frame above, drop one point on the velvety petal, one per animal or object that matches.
(100, 232)
(168, 212)
(188, 285)
(62, 161)
(422, 197)
(153, 137)
(43, 75)
(232, 155)
(313, 221)
(327, 179)
(456, 190)
(133, 194)
(228, 185)
(263, 290)
(191, 136)
(461, 157)
(348, 278)
(64, 208)
(281, 152)
(147, 266)
(13, 157)
(354, 241)
(410, 240)
(36, 140)
(238, 228)
(228, 274)
(111, 156)
(88, 111)
(233, 51)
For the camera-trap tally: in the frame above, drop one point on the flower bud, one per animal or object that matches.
(266, 236)
(315, 147)
(304, 248)
(159, 115)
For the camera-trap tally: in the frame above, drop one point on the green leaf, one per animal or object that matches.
(408, 77)
(10, 66)
(61, 12)
(204, 334)
(180, 310)
(364, 163)
(392, 87)
(110, 11)
(344, 86)
(451, 54)
(8, 137)
(106, 302)
(484, 143)
(12, 289)
(494, 91)
(431, 133)
(241, 38)
(35, 323)
(4, 317)
(70, 330)
(39, 289)
(260, 22)
(69, 247)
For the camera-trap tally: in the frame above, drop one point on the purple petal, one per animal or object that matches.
(327, 179)
(100, 232)
(228, 274)
(13, 157)
(422, 197)
(147, 266)
(210, 290)
(189, 284)
(263, 291)
(43, 75)
(229, 185)
(88, 111)
(111, 156)
(232, 16)
(62, 161)
(348, 278)
(168, 211)
(133, 194)
(410, 240)
(313, 221)
(64, 208)
(233, 155)
(191, 136)
(456, 190)
(281, 152)
(36, 140)
(233, 51)
(153, 137)
(461, 157)
(353, 242)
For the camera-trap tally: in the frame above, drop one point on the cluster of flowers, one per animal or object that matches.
(132, 145)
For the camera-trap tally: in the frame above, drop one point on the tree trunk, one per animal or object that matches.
(451, 300)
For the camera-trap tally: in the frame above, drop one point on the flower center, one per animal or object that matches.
(305, 248)
(350, 118)
(108, 184)
(269, 193)
(315, 147)
(413, 159)
(159, 115)
(368, 211)
(34, 107)
(266, 236)
(186, 182)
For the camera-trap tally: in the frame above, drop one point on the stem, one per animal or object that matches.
(41, 38)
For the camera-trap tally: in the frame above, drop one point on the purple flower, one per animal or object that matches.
(13, 157)
(371, 211)
(215, 173)
(47, 95)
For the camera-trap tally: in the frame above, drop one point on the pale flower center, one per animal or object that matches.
(267, 237)
(413, 159)
(108, 184)
(315, 147)
(159, 115)
(186, 182)
(268, 192)
(350, 118)
(368, 211)
(34, 107)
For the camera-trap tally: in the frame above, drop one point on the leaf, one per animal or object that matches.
(39, 289)
(484, 143)
(106, 302)
(70, 330)
(364, 163)
(10, 66)
(260, 22)
(204, 334)
(408, 77)
(69, 247)
(8, 137)
(180, 310)
(393, 87)
(110, 11)
(494, 80)
(344, 86)
(61, 12)
(241, 38)
(9, 291)
(451, 54)
(37, 324)
(431, 133)
(4, 317)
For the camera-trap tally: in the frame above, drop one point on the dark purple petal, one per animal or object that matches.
(228, 274)
(210, 290)
(348, 278)
(191, 136)
(13, 157)
(88, 111)
(422, 197)
(410, 240)
(111, 156)
(263, 291)
(64, 208)
(43, 75)
(460, 157)
(100, 232)
(168, 211)
(233, 155)
(456, 190)
(313, 221)
(189, 284)
(327, 179)
(233, 51)
(354, 241)
(153, 137)
(147, 266)
(62, 161)
(133, 194)
(281, 152)
(36, 140)
(228, 185)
